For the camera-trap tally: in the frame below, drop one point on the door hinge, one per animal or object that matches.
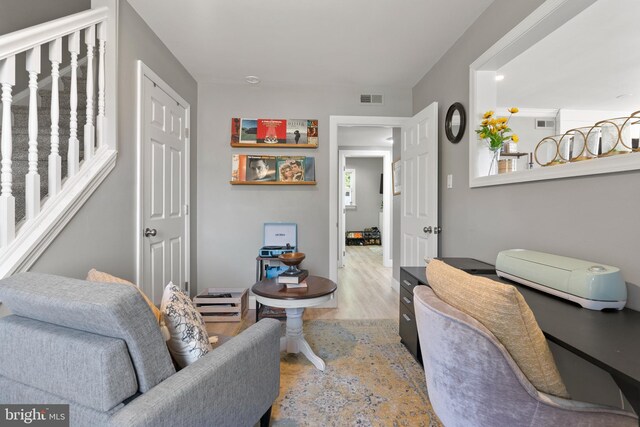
(186, 209)
(186, 132)
(186, 287)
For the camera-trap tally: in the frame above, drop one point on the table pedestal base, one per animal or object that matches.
(294, 342)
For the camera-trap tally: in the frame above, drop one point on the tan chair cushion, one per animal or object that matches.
(502, 310)
(99, 276)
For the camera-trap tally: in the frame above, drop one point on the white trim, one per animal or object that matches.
(584, 302)
(387, 232)
(142, 72)
(548, 17)
(22, 97)
(334, 123)
(35, 236)
(395, 285)
(19, 41)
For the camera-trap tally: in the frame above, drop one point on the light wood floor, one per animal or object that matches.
(364, 292)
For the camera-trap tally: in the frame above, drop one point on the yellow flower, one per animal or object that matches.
(488, 114)
(494, 131)
(485, 122)
(513, 110)
(483, 135)
(502, 120)
(515, 138)
(493, 122)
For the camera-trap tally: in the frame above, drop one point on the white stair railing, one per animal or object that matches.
(43, 218)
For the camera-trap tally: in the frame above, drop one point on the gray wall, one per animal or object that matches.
(593, 218)
(102, 234)
(231, 217)
(397, 137)
(368, 197)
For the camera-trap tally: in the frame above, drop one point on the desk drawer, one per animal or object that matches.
(409, 332)
(408, 282)
(406, 298)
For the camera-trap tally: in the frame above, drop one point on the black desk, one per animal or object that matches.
(608, 339)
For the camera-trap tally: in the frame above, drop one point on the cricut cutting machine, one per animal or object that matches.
(593, 286)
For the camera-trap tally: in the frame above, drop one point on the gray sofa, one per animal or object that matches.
(98, 348)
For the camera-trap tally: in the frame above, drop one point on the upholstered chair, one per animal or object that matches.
(473, 381)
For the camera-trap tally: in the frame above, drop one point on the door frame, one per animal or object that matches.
(387, 198)
(334, 178)
(144, 71)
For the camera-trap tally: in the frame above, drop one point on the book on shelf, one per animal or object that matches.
(295, 279)
(302, 284)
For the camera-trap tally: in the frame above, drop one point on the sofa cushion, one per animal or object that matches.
(502, 310)
(99, 308)
(89, 369)
(189, 338)
(99, 276)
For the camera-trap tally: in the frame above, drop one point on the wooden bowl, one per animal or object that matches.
(292, 259)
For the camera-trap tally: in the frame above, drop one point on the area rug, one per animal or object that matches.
(370, 379)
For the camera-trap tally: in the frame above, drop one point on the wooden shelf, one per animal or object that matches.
(272, 183)
(513, 154)
(239, 145)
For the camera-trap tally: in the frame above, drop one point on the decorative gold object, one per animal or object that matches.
(551, 145)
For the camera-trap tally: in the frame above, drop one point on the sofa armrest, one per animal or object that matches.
(234, 385)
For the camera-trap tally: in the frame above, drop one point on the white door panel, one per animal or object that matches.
(419, 156)
(163, 194)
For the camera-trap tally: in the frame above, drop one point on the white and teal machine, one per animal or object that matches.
(592, 285)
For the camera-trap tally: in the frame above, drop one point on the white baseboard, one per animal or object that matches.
(395, 285)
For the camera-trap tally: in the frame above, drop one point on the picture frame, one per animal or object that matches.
(396, 177)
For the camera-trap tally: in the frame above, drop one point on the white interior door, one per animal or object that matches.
(164, 174)
(419, 194)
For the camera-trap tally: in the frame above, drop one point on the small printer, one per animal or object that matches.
(279, 238)
(592, 285)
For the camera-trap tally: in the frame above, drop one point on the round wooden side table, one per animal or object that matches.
(294, 300)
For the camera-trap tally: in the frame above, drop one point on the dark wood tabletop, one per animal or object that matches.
(316, 287)
(608, 339)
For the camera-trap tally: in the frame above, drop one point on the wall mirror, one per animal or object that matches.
(455, 123)
(567, 66)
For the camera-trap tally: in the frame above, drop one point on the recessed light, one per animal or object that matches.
(624, 95)
(499, 77)
(252, 80)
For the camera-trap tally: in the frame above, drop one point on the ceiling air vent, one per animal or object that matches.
(545, 124)
(370, 99)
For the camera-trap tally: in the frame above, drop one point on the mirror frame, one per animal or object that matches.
(455, 138)
(482, 97)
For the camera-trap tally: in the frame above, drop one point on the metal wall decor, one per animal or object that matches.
(620, 135)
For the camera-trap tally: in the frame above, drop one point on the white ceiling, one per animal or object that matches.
(337, 42)
(585, 64)
(364, 136)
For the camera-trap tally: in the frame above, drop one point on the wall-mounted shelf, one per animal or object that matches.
(518, 155)
(240, 145)
(272, 183)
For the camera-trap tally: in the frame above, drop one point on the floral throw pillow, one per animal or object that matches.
(189, 340)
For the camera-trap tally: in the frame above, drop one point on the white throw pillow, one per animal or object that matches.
(189, 339)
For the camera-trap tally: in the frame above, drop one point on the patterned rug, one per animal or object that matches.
(370, 379)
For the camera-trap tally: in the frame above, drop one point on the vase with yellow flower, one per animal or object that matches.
(495, 133)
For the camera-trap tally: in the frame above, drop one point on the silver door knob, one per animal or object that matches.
(150, 232)
(427, 230)
(437, 230)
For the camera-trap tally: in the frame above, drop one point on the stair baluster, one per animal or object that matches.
(73, 160)
(55, 161)
(32, 182)
(89, 132)
(102, 39)
(7, 201)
